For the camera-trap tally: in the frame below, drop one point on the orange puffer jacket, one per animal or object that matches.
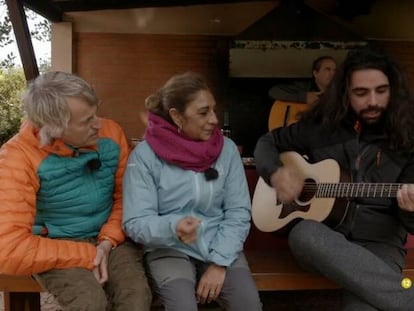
(24, 207)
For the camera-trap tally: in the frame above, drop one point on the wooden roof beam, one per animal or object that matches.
(46, 8)
(92, 5)
(23, 39)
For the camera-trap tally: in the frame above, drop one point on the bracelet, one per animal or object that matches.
(107, 239)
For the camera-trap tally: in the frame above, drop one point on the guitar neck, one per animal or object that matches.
(357, 190)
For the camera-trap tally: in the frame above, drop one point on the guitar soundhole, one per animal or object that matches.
(302, 203)
(308, 192)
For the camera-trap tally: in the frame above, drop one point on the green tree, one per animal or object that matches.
(39, 27)
(12, 80)
(12, 83)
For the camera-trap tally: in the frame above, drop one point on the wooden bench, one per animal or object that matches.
(272, 265)
(21, 293)
(272, 269)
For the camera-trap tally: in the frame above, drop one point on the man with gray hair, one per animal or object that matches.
(61, 200)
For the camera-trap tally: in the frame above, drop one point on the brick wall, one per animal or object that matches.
(126, 68)
(403, 53)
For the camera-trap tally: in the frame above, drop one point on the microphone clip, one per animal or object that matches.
(211, 173)
(94, 164)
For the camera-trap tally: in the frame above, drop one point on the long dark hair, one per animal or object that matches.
(333, 107)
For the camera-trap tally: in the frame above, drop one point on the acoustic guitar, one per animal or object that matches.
(285, 113)
(323, 198)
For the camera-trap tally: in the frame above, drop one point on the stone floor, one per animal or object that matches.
(328, 300)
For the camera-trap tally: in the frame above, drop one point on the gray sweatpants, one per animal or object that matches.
(174, 276)
(369, 272)
(127, 287)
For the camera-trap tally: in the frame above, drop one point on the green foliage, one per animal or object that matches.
(5, 31)
(12, 83)
(40, 30)
(44, 65)
(8, 61)
(12, 79)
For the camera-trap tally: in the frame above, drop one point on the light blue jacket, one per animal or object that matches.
(157, 195)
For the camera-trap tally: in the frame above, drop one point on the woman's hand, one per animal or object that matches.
(101, 261)
(405, 198)
(187, 229)
(210, 284)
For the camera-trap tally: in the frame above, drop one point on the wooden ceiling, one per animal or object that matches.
(58, 10)
(54, 9)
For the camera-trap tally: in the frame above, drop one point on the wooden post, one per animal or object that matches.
(23, 39)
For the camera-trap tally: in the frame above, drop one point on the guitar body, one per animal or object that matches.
(285, 113)
(269, 215)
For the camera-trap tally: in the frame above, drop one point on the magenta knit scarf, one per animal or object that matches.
(176, 148)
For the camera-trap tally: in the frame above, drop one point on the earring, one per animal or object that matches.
(179, 129)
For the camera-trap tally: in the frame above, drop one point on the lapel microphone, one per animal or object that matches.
(95, 163)
(92, 164)
(211, 173)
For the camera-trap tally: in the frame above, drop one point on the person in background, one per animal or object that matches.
(61, 200)
(186, 200)
(323, 69)
(364, 121)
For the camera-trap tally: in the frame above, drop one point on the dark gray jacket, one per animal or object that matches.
(364, 158)
(293, 92)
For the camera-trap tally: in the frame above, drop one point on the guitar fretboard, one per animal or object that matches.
(356, 190)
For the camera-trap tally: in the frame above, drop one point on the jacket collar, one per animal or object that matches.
(31, 135)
